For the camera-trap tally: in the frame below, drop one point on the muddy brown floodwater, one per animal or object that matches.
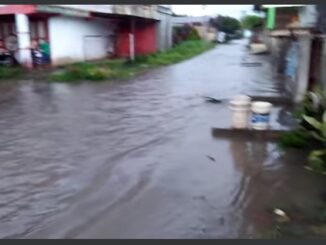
(137, 159)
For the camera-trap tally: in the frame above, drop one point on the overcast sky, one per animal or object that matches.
(212, 10)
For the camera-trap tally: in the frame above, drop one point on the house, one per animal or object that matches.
(200, 23)
(78, 33)
(290, 37)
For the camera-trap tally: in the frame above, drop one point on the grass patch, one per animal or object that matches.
(10, 72)
(114, 69)
(180, 52)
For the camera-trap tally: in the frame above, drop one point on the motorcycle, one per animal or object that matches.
(7, 59)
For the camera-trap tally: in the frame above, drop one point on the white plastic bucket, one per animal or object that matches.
(260, 115)
(240, 107)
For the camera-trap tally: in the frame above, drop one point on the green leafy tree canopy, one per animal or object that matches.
(252, 22)
(226, 24)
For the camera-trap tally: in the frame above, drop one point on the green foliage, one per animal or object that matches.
(313, 105)
(295, 139)
(180, 52)
(226, 24)
(317, 158)
(10, 72)
(141, 58)
(120, 69)
(84, 71)
(312, 131)
(184, 33)
(252, 22)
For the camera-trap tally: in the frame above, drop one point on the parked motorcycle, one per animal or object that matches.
(7, 59)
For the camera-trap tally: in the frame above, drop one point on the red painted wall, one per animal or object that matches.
(145, 35)
(122, 42)
(145, 38)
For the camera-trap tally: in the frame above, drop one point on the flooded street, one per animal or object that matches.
(137, 159)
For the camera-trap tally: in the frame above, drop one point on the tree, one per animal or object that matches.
(252, 22)
(226, 24)
(184, 33)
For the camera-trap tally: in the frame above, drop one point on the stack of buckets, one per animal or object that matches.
(242, 107)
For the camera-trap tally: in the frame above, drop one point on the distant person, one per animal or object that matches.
(36, 54)
(5, 56)
(45, 49)
(221, 37)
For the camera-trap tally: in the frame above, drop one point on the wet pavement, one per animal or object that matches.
(137, 159)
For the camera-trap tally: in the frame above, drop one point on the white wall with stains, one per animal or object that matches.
(75, 39)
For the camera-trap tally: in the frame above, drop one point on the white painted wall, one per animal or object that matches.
(75, 39)
(24, 42)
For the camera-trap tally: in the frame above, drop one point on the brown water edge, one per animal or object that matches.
(289, 187)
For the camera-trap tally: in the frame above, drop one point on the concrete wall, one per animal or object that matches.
(303, 68)
(180, 21)
(78, 39)
(164, 32)
(308, 16)
(323, 64)
(297, 83)
(207, 33)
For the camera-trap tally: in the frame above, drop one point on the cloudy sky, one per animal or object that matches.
(235, 11)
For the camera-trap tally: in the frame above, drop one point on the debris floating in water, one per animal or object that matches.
(212, 100)
(211, 158)
(282, 216)
(279, 212)
(251, 64)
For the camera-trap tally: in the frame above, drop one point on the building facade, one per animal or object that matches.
(290, 36)
(76, 33)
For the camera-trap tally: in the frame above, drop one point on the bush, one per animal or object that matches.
(312, 129)
(10, 72)
(295, 139)
(84, 72)
(120, 69)
(184, 33)
(141, 58)
(252, 22)
(98, 73)
(193, 35)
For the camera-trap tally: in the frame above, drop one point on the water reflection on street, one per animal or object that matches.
(129, 159)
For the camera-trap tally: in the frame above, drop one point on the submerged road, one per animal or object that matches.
(136, 159)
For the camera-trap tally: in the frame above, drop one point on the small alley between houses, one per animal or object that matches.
(138, 159)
